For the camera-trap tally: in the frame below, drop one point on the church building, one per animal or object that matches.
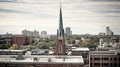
(60, 41)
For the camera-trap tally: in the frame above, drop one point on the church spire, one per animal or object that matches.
(60, 31)
(60, 41)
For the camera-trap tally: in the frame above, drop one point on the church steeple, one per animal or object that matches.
(60, 41)
(60, 31)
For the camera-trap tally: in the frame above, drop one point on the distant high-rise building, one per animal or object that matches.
(68, 31)
(34, 33)
(108, 31)
(44, 34)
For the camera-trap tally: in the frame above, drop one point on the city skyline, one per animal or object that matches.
(83, 16)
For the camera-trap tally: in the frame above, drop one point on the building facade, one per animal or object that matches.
(34, 33)
(18, 39)
(44, 34)
(68, 31)
(6, 39)
(104, 58)
(108, 31)
(41, 61)
(21, 40)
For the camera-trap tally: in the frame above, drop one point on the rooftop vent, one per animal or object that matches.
(19, 57)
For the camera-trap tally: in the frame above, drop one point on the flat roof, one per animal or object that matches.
(104, 52)
(81, 49)
(11, 50)
(42, 59)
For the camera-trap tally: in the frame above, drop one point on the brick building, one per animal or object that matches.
(21, 40)
(18, 39)
(60, 48)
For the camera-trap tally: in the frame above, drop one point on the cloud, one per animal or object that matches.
(78, 14)
(7, 0)
(12, 1)
(10, 11)
(105, 0)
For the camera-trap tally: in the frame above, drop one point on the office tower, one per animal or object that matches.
(44, 34)
(68, 31)
(108, 31)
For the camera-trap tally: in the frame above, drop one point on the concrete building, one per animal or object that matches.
(101, 34)
(6, 39)
(81, 51)
(104, 58)
(68, 31)
(34, 33)
(108, 43)
(109, 31)
(44, 34)
(11, 52)
(40, 61)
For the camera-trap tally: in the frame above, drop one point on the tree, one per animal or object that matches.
(4, 46)
(51, 43)
(14, 47)
(43, 45)
(86, 44)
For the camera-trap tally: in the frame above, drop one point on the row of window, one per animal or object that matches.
(115, 59)
(103, 64)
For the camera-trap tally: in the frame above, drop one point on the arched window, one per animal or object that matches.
(60, 48)
(60, 34)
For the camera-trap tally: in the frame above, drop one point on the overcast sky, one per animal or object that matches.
(83, 16)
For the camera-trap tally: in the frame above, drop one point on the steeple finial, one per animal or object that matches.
(60, 4)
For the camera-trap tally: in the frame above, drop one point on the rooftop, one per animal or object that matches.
(11, 50)
(42, 59)
(115, 52)
(81, 49)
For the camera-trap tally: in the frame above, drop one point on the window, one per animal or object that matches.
(60, 48)
(105, 58)
(90, 64)
(105, 64)
(60, 34)
(115, 64)
(60, 40)
(96, 58)
(110, 58)
(110, 64)
(90, 58)
(115, 59)
(97, 64)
